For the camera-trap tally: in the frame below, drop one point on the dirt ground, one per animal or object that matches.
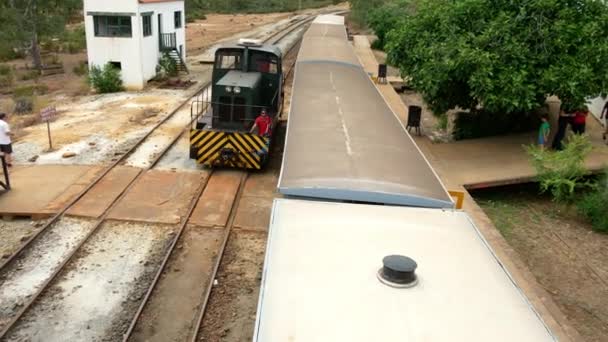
(99, 126)
(233, 304)
(202, 34)
(565, 255)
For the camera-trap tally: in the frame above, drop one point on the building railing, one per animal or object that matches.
(168, 41)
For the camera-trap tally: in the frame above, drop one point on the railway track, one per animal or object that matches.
(137, 329)
(9, 318)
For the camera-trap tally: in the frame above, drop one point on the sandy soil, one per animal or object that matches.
(202, 34)
(14, 232)
(174, 306)
(233, 303)
(98, 293)
(566, 256)
(21, 282)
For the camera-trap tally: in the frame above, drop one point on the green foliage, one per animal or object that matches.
(503, 55)
(30, 75)
(481, 123)
(81, 69)
(23, 22)
(167, 66)
(594, 206)
(562, 172)
(30, 90)
(361, 10)
(386, 17)
(106, 79)
(73, 40)
(442, 122)
(6, 76)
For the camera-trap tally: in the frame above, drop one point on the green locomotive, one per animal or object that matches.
(247, 80)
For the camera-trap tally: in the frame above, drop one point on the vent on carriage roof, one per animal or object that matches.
(398, 271)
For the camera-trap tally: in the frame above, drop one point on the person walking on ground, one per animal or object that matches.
(580, 120)
(562, 126)
(544, 130)
(5, 139)
(605, 115)
(263, 123)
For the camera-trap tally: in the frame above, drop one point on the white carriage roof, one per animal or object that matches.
(343, 140)
(330, 19)
(320, 278)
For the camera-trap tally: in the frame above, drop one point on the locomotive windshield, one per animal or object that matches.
(264, 62)
(229, 60)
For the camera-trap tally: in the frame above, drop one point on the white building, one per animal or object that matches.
(134, 34)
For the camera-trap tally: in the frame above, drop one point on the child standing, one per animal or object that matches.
(544, 130)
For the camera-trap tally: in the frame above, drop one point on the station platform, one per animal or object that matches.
(484, 162)
(41, 190)
(488, 162)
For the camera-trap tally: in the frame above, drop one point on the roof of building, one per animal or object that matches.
(320, 278)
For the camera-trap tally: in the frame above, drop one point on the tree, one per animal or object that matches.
(505, 56)
(25, 22)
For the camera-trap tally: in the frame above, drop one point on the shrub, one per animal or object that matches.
(81, 69)
(106, 80)
(74, 41)
(30, 90)
(6, 76)
(30, 75)
(562, 172)
(594, 206)
(481, 123)
(168, 66)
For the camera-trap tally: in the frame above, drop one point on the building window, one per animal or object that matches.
(112, 26)
(178, 19)
(147, 21)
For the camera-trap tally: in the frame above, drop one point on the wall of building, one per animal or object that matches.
(595, 107)
(150, 45)
(138, 55)
(127, 51)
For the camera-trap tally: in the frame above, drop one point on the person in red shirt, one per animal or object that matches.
(579, 121)
(263, 123)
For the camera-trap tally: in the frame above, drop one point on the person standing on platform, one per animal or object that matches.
(6, 146)
(562, 126)
(580, 120)
(544, 131)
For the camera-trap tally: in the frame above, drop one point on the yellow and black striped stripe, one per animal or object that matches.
(237, 150)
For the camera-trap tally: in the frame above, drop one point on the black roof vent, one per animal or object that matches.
(398, 271)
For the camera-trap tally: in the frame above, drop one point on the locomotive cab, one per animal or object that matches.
(247, 78)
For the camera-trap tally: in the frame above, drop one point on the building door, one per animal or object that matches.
(160, 24)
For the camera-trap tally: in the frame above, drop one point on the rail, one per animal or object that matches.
(15, 256)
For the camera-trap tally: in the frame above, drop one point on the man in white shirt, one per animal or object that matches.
(5, 139)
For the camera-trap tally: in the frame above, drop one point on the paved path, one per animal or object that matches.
(482, 162)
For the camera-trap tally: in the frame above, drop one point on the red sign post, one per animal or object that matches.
(47, 114)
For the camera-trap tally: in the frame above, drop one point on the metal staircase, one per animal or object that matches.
(168, 45)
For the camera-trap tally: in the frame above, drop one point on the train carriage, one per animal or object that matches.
(247, 79)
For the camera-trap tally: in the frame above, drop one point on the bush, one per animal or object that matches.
(6, 76)
(74, 41)
(81, 69)
(594, 206)
(30, 90)
(30, 75)
(480, 123)
(106, 80)
(167, 66)
(562, 172)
